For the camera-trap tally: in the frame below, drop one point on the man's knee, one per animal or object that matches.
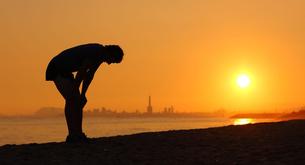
(73, 98)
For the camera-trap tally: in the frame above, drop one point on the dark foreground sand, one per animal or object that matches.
(264, 143)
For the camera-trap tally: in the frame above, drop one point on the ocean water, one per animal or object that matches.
(21, 131)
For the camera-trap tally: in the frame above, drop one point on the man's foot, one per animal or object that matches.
(77, 138)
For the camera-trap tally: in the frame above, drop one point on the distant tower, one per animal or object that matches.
(149, 107)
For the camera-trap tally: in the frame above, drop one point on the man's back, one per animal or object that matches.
(70, 60)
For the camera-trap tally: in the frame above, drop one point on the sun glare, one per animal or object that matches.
(243, 81)
(243, 121)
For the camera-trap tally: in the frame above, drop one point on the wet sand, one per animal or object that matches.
(262, 143)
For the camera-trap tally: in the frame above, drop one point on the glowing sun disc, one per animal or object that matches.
(243, 81)
(243, 121)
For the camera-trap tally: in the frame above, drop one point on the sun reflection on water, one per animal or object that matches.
(243, 121)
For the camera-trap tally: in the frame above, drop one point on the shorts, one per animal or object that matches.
(52, 72)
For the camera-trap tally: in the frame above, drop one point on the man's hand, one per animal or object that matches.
(83, 101)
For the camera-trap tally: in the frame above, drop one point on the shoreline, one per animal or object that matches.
(262, 143)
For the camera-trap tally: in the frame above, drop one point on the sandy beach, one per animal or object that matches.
(262, 143)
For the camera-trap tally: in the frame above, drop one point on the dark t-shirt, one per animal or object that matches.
(71, 60)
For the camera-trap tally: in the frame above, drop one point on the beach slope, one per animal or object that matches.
(262, 143)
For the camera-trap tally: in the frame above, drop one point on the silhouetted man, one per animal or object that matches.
(84, 60)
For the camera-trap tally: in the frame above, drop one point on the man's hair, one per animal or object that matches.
(115, 53)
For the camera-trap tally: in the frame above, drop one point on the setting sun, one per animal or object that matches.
(243, 81)
(243, 121)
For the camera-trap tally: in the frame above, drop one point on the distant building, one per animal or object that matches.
(168, 109)
(149, 107)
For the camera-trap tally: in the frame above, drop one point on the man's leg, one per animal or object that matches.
(73, 112)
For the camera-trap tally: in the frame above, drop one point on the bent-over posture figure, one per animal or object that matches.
(84, 60)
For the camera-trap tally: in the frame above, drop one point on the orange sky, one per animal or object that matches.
(184, 53)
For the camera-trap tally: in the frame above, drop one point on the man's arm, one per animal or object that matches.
(87, 79)
(81, 74)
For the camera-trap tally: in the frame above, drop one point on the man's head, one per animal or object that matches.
(114, 54)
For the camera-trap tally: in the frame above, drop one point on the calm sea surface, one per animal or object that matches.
(19, 131)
